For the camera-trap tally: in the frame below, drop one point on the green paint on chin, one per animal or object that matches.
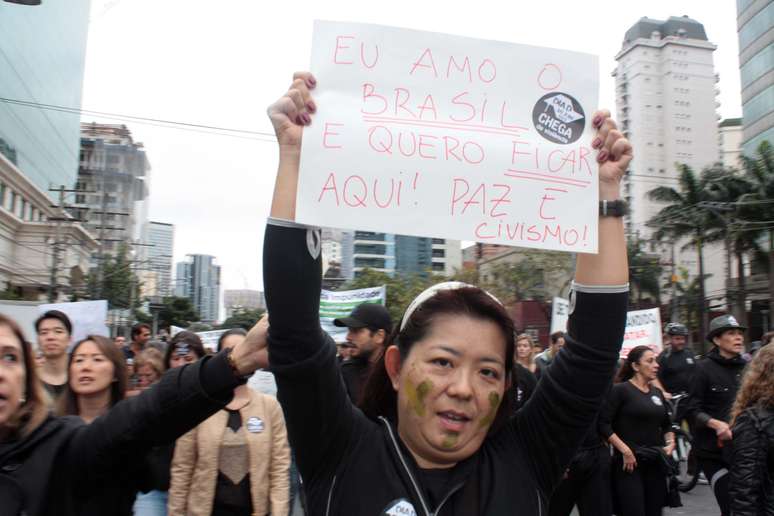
(494, 404)
(416, 395)
(450, 441)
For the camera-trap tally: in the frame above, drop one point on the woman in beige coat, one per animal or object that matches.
(236, 462)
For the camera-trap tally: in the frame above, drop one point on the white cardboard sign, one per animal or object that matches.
(560, 313)
(643, 328)
(428, 134)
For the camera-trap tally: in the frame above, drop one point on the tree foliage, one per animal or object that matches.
(177, 311)
(242, 318)
(116, 283)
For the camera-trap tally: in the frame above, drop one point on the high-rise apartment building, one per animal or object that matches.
(161, 242)
(755, 23)
(116, 172)
(198, 279)
(730, 144)
(45, 254)
(665, 99)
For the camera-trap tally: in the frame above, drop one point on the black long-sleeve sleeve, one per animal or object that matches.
(121, 438)
(571, 391)
(747, 467)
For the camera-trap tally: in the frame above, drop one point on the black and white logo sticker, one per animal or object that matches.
(559, 118)
(255, 425)
(655, 399)
(400, 507)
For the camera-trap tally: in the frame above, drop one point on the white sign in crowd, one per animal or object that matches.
(339, 303)
(433, 135)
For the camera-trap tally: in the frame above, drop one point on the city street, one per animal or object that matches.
(698, 502)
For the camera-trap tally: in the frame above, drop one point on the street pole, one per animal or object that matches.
(52, 283)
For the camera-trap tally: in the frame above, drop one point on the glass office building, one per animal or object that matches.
(42, 58)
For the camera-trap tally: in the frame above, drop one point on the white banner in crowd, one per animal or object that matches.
(428, 134)
(335, 304)
(560, 312)
(643, 328)
(87, 317)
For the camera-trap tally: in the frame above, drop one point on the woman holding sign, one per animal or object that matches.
(435, 437)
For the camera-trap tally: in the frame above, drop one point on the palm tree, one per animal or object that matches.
(682, 217)
(644, 273)
(757, 207)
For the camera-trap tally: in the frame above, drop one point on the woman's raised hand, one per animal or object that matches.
(615, 153)
(293, 111)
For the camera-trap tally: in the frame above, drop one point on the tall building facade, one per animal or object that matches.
(243, 299)
(755, 23)
(666, 105)
(115, 172)
(161, 244)
(42, 58)
(730, 142)
(198, 279)
(374, 251)
(44, 252)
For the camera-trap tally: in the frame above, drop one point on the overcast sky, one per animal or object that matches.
(221, 63)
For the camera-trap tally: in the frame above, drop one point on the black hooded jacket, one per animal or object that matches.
(353, 465)
(752, 465)
(713, 390)
(67, 468)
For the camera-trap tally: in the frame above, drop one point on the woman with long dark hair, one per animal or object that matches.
(185, 347)
(96, 379)
(65, 467)
(752, 422)
(636, 422)
(435, 436)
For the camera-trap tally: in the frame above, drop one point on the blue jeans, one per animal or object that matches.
(152, 503)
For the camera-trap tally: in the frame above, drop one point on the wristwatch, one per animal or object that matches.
(617, 208)
(233, 366)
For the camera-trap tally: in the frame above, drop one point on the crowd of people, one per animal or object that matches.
(448, 410)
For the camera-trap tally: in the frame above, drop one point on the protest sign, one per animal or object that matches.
(336, 304)
(643, 328)
(427, 134)
(87, 317)
(560, 312)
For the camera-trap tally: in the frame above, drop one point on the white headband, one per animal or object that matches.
(430, 292)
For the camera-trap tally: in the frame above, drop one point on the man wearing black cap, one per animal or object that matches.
(713, 391)
(369, 325)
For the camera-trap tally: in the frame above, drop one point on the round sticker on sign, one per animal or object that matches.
(559, 118)
(254, 425)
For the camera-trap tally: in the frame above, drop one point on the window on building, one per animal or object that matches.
(439, 267)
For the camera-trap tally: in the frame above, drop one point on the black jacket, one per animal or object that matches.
(66, 467)
(752, 466)
(676, 370)
(713, 390)
(352, 465)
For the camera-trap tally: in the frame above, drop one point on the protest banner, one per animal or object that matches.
(87, 317)
(335, 304)
(428, 134)
(643, 328)
(560, 312)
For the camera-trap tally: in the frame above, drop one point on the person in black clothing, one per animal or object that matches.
(586, 482)
(635, 421)
(54, 331)
(752, 420)
(368, 326)
(62, 466)
(712, 393)
(141, 334)
(433, 436)
(676, 362)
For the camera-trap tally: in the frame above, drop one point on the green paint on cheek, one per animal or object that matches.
(494, 404)
(416, 395)
(450, 440)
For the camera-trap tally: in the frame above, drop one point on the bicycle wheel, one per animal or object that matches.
(686, 476)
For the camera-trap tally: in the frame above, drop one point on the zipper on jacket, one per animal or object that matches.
(330, 496)
(449, 495)
(408, 470)
(540, 502)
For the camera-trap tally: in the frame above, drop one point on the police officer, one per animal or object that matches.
(713, 390)
(677, 362)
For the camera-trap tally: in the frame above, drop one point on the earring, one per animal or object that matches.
(22, 400)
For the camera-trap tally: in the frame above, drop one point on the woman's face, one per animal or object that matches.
(648, 366)
(523, 349)
(449, 389)
(179, 360)
(12, 374)
(232, 340)
(91, 372)
(146, 376)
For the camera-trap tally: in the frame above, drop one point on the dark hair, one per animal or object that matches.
(556, 336)
(137, 328)
(68, 401)
(59, 316)
(188, 338)
(627, 369)
(229, 333)
(380, 399)
(34, 411)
